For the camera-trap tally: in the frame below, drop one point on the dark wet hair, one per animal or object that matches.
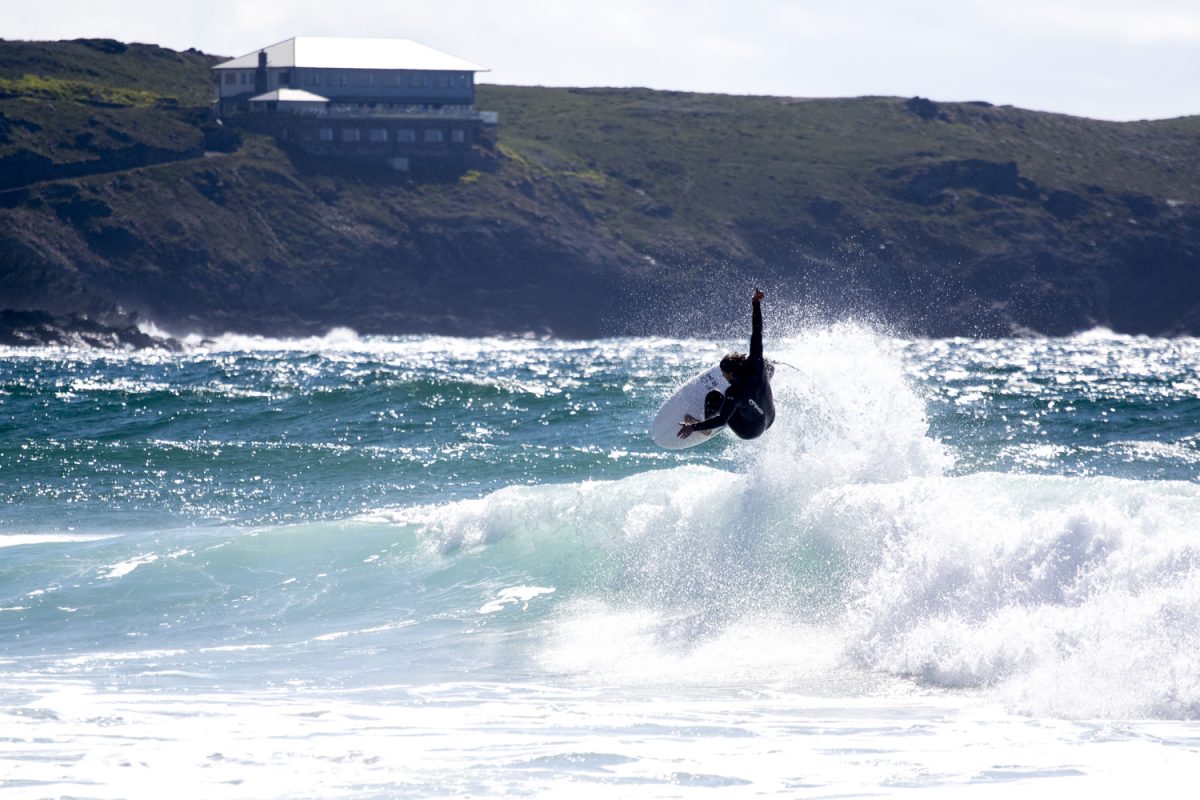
(738, 365)
(734, 363)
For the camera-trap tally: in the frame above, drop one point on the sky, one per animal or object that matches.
(1105, 59)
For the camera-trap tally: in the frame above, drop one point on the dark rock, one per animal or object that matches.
(118, 136)
(109, 46)
(35, 328)
(13, 198)
(823, 210)
(929, 186)
(1141, 205)
(209, 184)
(923, 108)
(221, 138)
(24, 167)
(78, 210)
(984, 204)
(1065, 205)
(656, 210)
(113, 242)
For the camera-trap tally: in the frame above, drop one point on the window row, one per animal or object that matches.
(359, 77)
(429, 135)
(408, 78)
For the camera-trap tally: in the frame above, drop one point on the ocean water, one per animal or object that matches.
(430, 567)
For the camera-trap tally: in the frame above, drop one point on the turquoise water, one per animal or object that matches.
(355, 566)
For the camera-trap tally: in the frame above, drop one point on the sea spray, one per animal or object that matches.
(371, 566)
(1073, 597)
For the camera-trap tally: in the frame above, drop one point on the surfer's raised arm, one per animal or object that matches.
(756, 326)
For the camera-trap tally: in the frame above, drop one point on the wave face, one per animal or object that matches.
(1014, 519)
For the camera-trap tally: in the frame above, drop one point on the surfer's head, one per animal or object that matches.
(734, 365)
(737, 365)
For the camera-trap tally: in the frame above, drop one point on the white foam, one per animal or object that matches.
(391, 626)
(19, 539)
(123, 568)
(1074, 597)
(531, 740)
(514, 596)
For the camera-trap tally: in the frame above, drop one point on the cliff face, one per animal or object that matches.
(596, 208)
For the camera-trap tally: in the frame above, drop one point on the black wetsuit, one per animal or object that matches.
(747, 407)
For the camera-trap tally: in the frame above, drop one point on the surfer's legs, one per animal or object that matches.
(712, 403)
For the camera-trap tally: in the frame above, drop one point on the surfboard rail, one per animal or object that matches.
(688, 400)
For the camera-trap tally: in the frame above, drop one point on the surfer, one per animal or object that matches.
(747, 406)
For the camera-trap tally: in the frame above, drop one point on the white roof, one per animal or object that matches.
(327, 52)
(290, 96)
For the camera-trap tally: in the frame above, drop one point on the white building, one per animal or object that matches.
(356, 97)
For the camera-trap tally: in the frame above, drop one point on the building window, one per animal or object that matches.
(377, 135)
(325, 135)
(230, 78)
(434, 135)
(458, 136)
(245, 75)
(350, 134)
(406, 135)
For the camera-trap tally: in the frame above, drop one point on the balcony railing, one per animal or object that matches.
(347, 110)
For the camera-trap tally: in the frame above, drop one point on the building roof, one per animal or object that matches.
(328, 52)
(289, 96)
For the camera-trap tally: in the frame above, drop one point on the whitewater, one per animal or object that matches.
(360, 567)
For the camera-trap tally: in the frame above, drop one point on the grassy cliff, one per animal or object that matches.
(595, 207)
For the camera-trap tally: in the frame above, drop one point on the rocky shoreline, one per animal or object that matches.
(43, 329)
(597, 213)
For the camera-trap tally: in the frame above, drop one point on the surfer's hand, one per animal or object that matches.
(685, 430)
(758, 295)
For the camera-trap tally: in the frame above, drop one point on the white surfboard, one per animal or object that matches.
(688, 400)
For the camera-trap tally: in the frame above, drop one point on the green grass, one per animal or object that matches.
(718, 159)
(184, 76)
(78, 92)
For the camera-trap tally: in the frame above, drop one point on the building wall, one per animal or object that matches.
(404, 118)
(416, 139)
(412, 87)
